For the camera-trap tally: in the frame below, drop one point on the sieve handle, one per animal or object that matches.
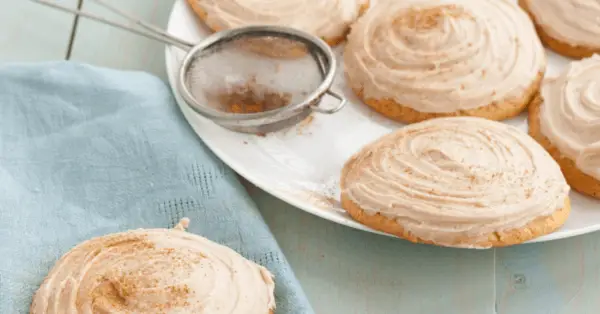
(151, 31)
(341, 103)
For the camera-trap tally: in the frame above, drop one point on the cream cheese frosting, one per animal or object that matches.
(329, 19)
(576, 22)
(443, 56)
(451, 178)
(154, 271)
(570, 114)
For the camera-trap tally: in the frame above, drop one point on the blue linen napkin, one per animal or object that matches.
(86, 151)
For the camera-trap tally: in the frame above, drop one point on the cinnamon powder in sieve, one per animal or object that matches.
(252, 98)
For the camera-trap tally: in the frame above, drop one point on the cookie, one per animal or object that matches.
(565, 120)
(414, 60)
(456, 182)
(155, 271)
(571, 28)
(330, 20)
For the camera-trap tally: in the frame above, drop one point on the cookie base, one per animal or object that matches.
(578, 180)
(536, 228)
(563, 48)
(495, 111)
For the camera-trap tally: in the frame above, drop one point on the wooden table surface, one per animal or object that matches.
(342, 270)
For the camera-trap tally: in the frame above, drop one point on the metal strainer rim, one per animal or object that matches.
(209, 41)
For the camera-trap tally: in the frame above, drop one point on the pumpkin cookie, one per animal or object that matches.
(328, 19)
(569, 27)
(414, 60)
(457, 182)
(565, 119)
(155, 271)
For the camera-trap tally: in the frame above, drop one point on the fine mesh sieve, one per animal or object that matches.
(254, 79)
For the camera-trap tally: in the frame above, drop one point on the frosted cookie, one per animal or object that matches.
(457, 182)
(569, 27)
(327, 19)
(154, 271)
(565, 119)
(413, 60)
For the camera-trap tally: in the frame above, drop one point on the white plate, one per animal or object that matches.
(301, 165)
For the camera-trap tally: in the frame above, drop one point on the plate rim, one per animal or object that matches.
(288, 198)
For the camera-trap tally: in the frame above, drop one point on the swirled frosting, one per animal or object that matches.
(570, 114)
(154, 271)
(328, 19)
(444, 55)
(576, 22)
(451, 178)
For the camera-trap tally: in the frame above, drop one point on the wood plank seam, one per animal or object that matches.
(73, 31)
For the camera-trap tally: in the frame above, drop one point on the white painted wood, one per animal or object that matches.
(349, 271)
(102, 45)
(560, 277)
(31, 32)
